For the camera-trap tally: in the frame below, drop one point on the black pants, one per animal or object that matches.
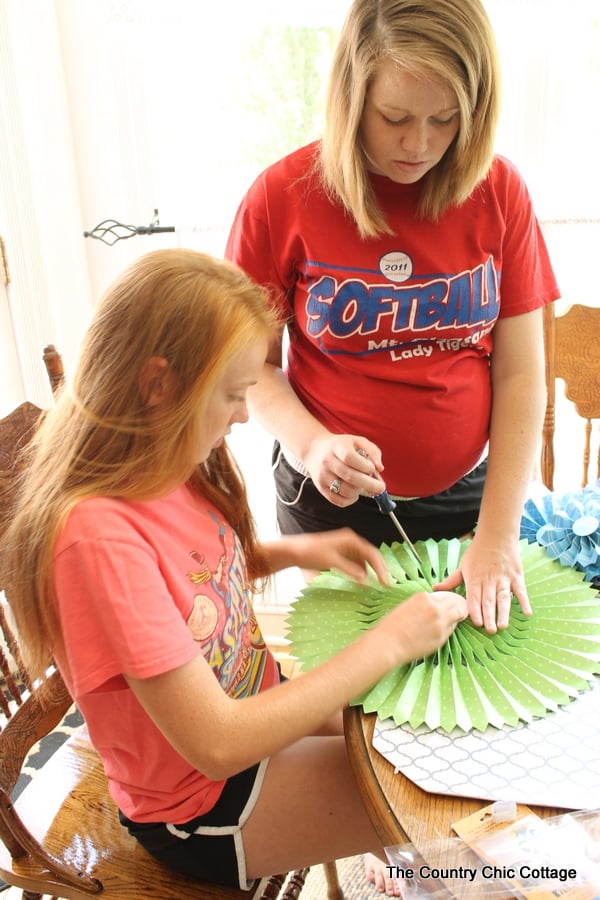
(449, 514)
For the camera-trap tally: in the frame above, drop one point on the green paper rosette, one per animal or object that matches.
(476, 679)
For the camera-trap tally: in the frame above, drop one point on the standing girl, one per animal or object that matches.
(409, 266)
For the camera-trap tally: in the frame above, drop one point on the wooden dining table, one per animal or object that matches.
(401, 812)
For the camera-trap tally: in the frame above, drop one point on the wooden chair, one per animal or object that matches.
(54, 367)
(572, 346)
(18, 427)
(61, 837)
(16, 430)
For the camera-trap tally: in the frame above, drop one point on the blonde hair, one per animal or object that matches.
(101, 439)
(450, 39)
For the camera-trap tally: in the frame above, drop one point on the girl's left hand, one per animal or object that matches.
(341, 549)
(492, 571)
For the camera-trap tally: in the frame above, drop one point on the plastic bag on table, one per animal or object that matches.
(533, 858)
(445, 869)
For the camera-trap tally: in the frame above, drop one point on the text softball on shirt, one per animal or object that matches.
(407, 319)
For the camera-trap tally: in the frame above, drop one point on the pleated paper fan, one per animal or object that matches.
(476, 679)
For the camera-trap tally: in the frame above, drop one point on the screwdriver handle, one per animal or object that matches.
(384, 502)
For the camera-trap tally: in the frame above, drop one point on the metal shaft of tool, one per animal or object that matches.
(386, 505)
(409, 544)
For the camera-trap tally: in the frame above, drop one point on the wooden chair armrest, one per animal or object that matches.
(23, 846)
(37, 717)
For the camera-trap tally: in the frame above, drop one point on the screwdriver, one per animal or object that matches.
(387, 506)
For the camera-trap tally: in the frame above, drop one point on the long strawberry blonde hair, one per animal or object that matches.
(101, 439)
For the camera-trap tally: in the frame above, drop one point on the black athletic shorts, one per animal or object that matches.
(449, 514)
(209, 847)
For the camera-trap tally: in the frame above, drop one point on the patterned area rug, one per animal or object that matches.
(352, 880)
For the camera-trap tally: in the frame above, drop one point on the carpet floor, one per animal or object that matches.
(352, 880)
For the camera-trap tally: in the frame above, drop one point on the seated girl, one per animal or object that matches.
(133, 560)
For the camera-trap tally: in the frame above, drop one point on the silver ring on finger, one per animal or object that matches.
(335, 486)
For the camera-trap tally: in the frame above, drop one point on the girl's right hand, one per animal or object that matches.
(417, 627)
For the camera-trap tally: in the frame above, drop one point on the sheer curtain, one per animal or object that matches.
(46, 297)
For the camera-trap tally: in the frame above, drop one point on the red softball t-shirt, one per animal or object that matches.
(391, 337)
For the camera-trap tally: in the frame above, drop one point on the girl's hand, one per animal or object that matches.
(341, 549)
(344, 466)
(421, 624)
(492, 572)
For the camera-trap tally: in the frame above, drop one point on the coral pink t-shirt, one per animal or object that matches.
(142, 588)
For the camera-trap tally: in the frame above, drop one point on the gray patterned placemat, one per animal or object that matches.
(553, 761)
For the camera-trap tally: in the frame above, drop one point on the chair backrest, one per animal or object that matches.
(54, 367)
(16, 430)
(572, 346)
(24, 717)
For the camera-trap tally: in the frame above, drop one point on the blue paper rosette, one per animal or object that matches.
(568, 527)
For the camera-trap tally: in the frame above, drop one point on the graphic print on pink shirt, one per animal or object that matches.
(222, 620)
